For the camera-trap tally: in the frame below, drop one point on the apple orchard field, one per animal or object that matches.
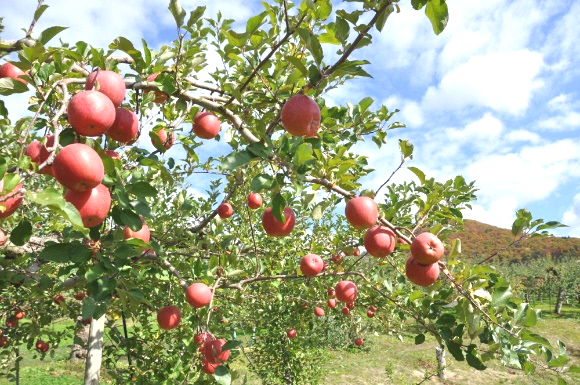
(287, 268)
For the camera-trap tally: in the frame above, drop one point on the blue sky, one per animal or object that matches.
(495, 97)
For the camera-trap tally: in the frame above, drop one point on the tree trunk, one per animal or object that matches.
(559, 300)
(79, 348)
(440, 354)
(95, 352)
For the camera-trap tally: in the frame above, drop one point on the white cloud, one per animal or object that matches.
(499, 212)
(410, 112)
(502, 81)
(572, 217)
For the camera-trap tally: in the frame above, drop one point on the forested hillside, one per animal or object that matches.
(480, 241)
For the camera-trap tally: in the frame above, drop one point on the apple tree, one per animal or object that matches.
(104, 224)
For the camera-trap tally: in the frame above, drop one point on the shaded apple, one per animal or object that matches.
(78, 167)
(168, 317)
(254, 201)
(300, 116)
(346, 291)
(11, 201)
(426, 248)
(311, 265)
(93, 205)
(361, 212)
(125, 127)
(275, 228)
(9, 70)
(380, 241)
(206, 125)
(90, 113)
(109, 83)
(225, 210)
(198, 295)
(421, 275)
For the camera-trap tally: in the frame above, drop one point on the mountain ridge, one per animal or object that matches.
(480, 240)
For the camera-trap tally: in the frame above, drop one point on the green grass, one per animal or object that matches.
(384, 359)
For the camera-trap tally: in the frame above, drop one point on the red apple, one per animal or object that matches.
(208, 368)
(212, 351)
(225, 210)
(125, 127)
(3, 238)
(291, 333)
(346, 291)
(206, 125)
(356, 252)
(160, 97)
(345, 311)
(336, 258)
(427, 248)
(78, 167)
(380, 241)
(12, 203)
(373, 308)
(311, 265)
(38, 154)
(164, 140)
(144, 233)
(331, 302)
(42, 346)
(421, 275)
(370, 313)
(198, 295)
(90, 113)
(200, 338)
(19, 314)
(86, 321)
(168, 317)
(318, 311)
(275, 228)
(331, 292)
(361, 212)
(254, 200)
(301, 116)
(350, 305)
(3, 341)
(79, 296)
(9, 70)
(358, 341)
(93, 205)
(58, 299)
(109, 83)
(112, 154)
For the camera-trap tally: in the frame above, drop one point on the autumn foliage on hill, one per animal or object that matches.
(480, 241)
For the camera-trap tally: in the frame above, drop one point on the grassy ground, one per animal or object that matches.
(385, 360)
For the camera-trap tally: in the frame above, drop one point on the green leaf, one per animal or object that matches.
(21, 233)
(311, 42)
(420, 174)
(39, 11)
(474, 361)
(222, 375)
(231, 344)
(419, 339)
(574, 369)
(9, 86)
(94, 272)
(278, 205)
(53, 199)
(10, 182)
(46, 35)
(142, 188)
(406, 148)
(195, 15)
(318, 210)
(297, 63)
(559, 361)
(501, 296)
(303, 154)
(123, 44)
(237, 159)
(131, 219)
(438, 14)
(562, 381)
(177, 12)
(255, 22)
(418, 4)
(262, 182)
(89, 307)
